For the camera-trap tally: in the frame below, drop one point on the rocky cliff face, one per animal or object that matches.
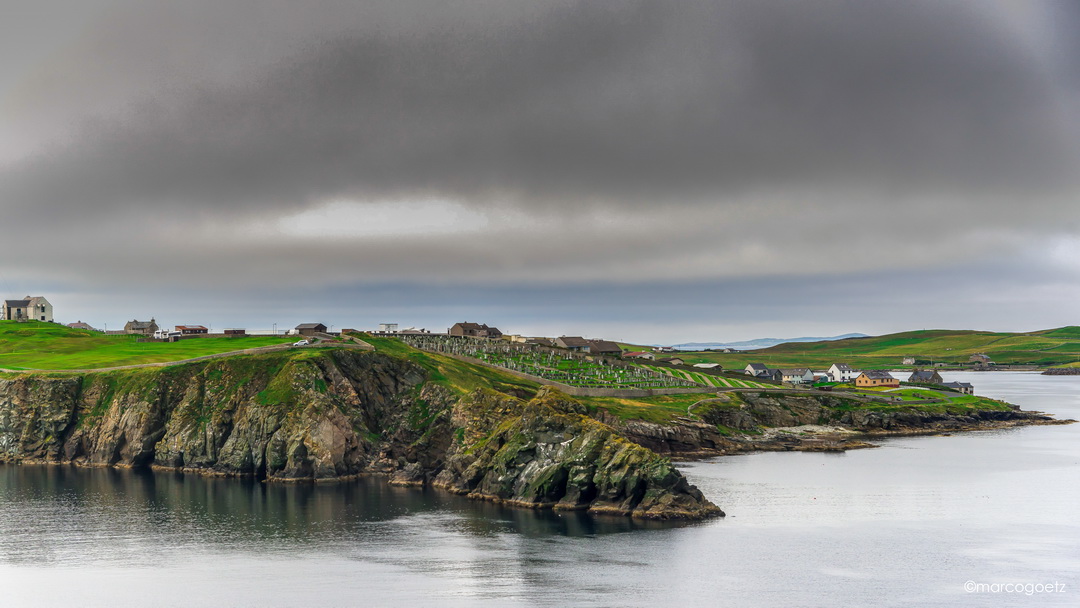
(548, 453)
(335, 414)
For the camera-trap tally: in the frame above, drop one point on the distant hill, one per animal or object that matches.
(759, 343)
(955, 347)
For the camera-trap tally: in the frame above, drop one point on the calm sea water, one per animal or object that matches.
(910, 523)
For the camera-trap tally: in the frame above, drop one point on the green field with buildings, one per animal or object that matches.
(50, 346)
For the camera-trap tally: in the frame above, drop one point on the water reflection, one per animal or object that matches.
(50, 514)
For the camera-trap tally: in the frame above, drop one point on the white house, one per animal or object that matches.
(841, 372)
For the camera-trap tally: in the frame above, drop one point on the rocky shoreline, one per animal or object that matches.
(768, 424)
(1062, 371)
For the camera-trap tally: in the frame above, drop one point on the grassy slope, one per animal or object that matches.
(449, 372)
(463, 377)
(36, 345)
(1048, 347)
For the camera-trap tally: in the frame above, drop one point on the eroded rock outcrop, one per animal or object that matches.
(548, 453)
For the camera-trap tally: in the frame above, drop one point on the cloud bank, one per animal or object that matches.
(513, 143)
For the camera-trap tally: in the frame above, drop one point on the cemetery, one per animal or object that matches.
(573, 369)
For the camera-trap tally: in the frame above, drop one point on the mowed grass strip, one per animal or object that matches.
(49, 346)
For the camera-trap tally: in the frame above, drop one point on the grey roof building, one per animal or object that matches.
(925, 376)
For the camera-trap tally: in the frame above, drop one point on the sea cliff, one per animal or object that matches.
(337, 414)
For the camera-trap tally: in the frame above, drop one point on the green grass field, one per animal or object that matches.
(36, 345)
(1049, 347)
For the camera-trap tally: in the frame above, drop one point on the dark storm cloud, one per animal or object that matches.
(680, 167)
(613, 103)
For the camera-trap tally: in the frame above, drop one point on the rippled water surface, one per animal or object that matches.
(909, 523)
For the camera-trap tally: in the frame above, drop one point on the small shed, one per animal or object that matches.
(310, 329)
(235, 332)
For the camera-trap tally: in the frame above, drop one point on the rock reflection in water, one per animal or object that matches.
(53, 514)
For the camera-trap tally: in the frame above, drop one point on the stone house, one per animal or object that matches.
(30, 308)
(925, 376)
(474, 330)
(141, 328)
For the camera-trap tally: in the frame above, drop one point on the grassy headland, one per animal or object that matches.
(54, 347)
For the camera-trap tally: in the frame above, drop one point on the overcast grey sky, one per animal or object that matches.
(640, 170)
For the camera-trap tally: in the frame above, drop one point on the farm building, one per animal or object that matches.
(639, 354)
(713, 366)
(141, 328)
(235, 332)
(474, 330)
(876, 378)
(310, 329)
(192, 330)
(81, 325)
